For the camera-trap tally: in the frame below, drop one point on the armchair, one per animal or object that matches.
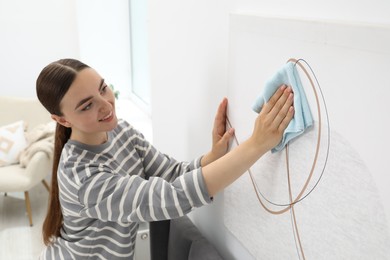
(17, 177)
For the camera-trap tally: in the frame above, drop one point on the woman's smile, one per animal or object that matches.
(107, 118)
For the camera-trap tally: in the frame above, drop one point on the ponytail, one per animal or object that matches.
(52, 84)
(53, 221)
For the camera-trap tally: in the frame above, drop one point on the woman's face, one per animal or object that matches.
(88, 108)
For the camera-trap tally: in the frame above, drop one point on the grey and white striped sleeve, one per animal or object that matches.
(159, 164)
(113, 197)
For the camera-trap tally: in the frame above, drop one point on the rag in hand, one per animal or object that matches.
(302, 119)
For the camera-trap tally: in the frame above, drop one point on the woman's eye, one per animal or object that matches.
(87, 107)
(104, 89)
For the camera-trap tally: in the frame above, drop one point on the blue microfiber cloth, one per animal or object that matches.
(302, 119)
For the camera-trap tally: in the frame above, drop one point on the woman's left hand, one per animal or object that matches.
(220, 136)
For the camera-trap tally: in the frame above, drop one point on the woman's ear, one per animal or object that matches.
(61, 120)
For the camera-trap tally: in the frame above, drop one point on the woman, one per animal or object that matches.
(107, 178)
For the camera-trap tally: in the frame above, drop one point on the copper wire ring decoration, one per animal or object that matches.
(328, 133)
(299, 197)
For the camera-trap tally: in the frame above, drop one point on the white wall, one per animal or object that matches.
(188, 50)
(346, 57)
(188, 57)
(104, 38)
(33, 33)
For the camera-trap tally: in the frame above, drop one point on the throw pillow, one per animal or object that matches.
(12, 143)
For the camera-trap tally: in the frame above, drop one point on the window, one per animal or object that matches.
(140, 81)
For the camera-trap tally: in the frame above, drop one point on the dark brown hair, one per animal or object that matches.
(52, 84)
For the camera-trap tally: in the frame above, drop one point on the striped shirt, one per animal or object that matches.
(106, 190)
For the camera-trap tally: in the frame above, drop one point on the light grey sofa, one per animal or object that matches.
(179, 239)
(14, 178)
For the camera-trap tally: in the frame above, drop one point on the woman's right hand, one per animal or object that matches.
(269, 127)
(273, 119)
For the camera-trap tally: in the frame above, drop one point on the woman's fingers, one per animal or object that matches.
(278, 106)
(282, 107)
(220, 118)
(286, 120)
(274, 99)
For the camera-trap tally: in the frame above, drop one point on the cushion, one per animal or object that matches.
(12, 143)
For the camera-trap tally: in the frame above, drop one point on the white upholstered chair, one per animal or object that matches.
(14, 178)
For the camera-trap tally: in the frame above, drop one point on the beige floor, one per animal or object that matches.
(18, 240)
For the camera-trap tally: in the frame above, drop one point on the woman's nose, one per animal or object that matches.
(105, 105)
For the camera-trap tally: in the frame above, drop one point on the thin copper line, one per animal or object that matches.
(291, 205)
(299, 197)
(294, 219)
(315, 156)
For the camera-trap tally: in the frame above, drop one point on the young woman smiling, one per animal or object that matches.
(107, 178)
